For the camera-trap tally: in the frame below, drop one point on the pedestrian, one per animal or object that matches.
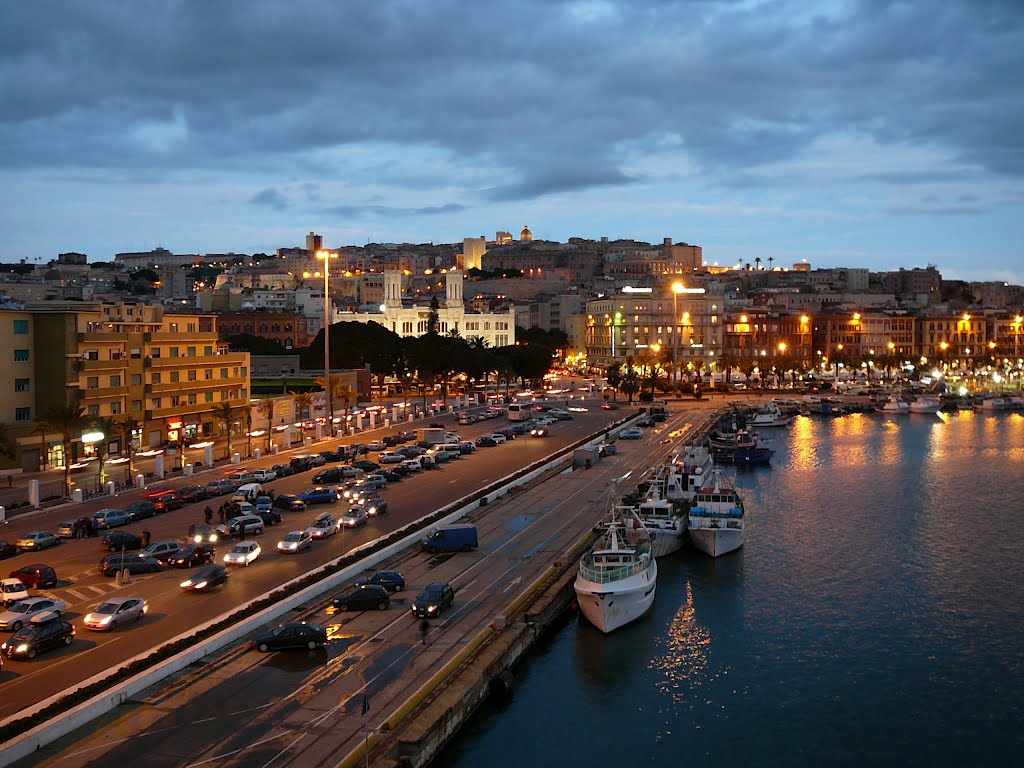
(145, 538)
(223, 516)
(208, 513)
(76, 530)
(90, 527)
(241, 530)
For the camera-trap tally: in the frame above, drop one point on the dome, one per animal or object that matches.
(526, 235)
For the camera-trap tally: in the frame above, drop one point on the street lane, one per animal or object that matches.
(173, 613)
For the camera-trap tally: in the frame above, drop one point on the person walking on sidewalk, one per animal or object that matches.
(208, 514)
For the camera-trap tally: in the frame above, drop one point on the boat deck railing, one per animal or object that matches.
(605, 574)
(705, 512)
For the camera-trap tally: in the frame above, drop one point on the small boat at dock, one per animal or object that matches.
(717, 517)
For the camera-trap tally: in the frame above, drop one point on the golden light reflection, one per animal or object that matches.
(684, 663)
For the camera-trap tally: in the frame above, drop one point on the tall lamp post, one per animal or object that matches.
(677, 288)
(326, 257)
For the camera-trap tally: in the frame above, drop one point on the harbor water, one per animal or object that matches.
(874, 616)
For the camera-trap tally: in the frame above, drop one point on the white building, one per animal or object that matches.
(497, 328)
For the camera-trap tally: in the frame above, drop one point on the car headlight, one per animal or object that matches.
(23, 648)
(197, 539)
(201, 585)
(186, 583)
(106, 619)
(431, 609)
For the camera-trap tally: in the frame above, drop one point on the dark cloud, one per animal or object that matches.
(387, 211)
(270, 198)
(525, 98)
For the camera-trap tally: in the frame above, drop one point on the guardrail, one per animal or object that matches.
(331, 575)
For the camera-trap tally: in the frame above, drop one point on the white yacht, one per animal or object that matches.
(664, 521)
(717, 516)
(926, 405)
(616, 581)
(769, 415)
(687, 471)
(895, 404)
(995, 404)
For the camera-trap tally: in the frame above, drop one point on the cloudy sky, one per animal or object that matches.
(859, 133)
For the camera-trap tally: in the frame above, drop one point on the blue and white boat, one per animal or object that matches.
(717, 517)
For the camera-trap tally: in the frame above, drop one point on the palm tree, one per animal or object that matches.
(67, 420)
(108, 428)
(302, 402)
(247, 412)
(226, 414)
(128, 426)
(265, 408)
(614, 377)
(630, 383)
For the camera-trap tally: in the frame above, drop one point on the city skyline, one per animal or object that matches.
(856, 134)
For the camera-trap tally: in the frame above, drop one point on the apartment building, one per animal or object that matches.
(166, 371)
(17, 374)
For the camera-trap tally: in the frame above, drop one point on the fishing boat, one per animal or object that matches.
(741, 448)
(717, 517)
(686, 472)
(768, 415)
(616, 581)
(665, 522)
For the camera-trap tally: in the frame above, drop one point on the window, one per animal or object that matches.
(155, 353)
(22, 414)
(115, 408)
(175, 401)
(192, 398)
(157, 403)
(136, 405)
(191, 351)
(208, 374)
(92, 382)
(94, 410)
(174, 377)
(156, 377)
(115, 380)
(21, 385)
(21, 355)
(192, 375)
(209, 396)
(136, 379)
(174, 351)
(20, 327)
(245, 371)
(207, 351)
(223, 373)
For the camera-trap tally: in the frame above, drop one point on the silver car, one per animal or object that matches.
(116, 610)
(111, 518)
(37, 540)
(19, 614)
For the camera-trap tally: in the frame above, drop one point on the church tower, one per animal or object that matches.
(453, 285)
(393, 289)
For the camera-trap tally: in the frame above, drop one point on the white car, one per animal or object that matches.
(376, 445)
(22, 611)
(391, 457)
(264, 475)
(12, 591)
(355, 516)
(497, 437)
(295, 541)
(243, 553)
(413, 465)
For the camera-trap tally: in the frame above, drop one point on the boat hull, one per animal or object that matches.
(666, 541)
(717, 541)
(612, 606)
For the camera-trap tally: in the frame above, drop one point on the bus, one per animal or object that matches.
(519, 411)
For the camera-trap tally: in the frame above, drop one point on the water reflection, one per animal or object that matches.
(683, 659)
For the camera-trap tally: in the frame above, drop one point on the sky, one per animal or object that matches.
(862, 133)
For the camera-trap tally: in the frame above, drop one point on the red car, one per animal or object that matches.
(36, 576)
(610, 406)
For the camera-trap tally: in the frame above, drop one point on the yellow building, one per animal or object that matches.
(17, 407)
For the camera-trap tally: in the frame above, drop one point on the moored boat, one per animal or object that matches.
(664, 521)
(717, 517)
(925, 405)
(616, 581)
(768, 415)
(741, 448)
(894, 404)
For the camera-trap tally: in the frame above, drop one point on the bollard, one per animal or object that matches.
(188, 469)
(236, 458)
(307, 441)
(274, 448)
(3, 513)
(256, 453)
(140, 481)
(77, 494)
(110, 488)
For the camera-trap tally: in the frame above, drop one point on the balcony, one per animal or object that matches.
(99, 393)
(183, 336)
(86, 365)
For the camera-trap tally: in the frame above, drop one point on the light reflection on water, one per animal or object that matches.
(874, 616)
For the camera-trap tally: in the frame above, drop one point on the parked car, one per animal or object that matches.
(268, 516)
(401, 470)
(140, 510)
(206, 578)
(364, 466)
(320, 495)
(295, 541)
(289, 503)
(391, 477)
(191, 555)
(253, 524)
(486, 442)
(331, 455)
(22, 612)
(633, 433)
(282, 470)
(412, 451)
(8, 550)
(165, 501)
(264, 475)
(110, 518)
(43, 633)
(114, 611)
(221, 487)
(433, 600)
(36, 540)
(118, 540)
(190, 494)
(392, 457)
(36, 576)
(412, 465)
(161, 551)
(133, 563)
(293, 635)
(11, 591)
(376, 445)
(329, 475)
(243, 553)
(65, 529)
(606, 449)
(357, 515)
(325, 525)
(362, 598)
(392, 581)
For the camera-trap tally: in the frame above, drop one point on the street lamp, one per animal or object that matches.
(326, 257)
(677, 288)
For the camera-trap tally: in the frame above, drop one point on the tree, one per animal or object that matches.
(67, 421)
(224, 413)
(247, 412)
(106, 426)
(630, 382)
(255, 345)
(128, 426)
(613, 374)
(302, 402)
(433, 322)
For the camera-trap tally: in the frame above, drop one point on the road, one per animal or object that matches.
(305, 708)
(172, 612)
